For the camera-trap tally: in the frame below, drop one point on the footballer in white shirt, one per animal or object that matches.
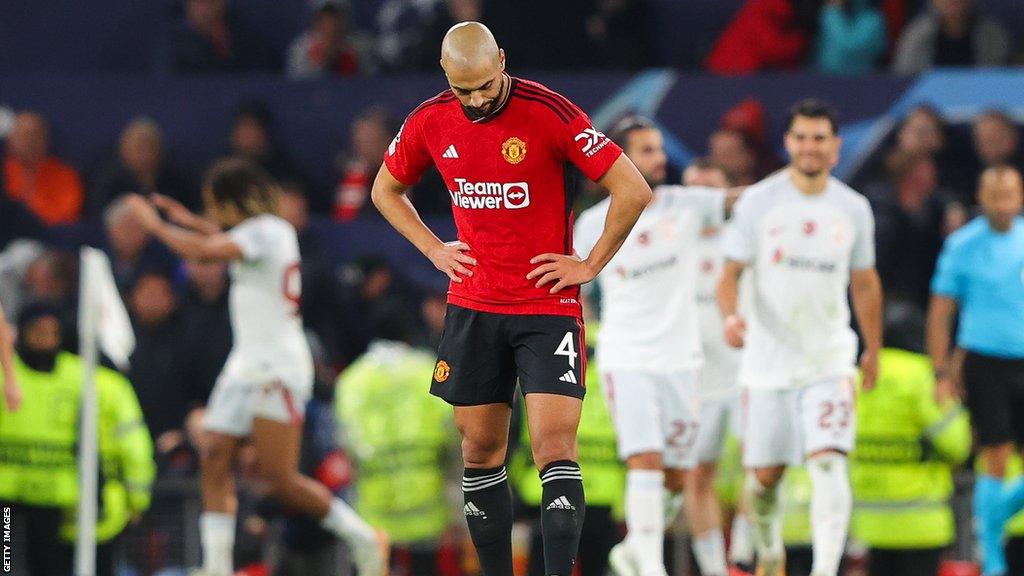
(649, 348)
(805, 239)
(267, 379)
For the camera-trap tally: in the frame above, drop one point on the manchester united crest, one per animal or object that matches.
(441, 371)
(513, 150)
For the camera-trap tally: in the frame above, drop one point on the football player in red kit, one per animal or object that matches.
(503, 146)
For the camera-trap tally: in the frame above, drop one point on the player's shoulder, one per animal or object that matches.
(968, 234)
(432, 105)
(544, 99)
(847, 195)
(763, 194)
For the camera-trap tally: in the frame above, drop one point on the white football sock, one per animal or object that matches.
(764, 504)
(645, 520)
(709, 550)
(831, 502)
(217, 533)
(342, 521)
(741, 544)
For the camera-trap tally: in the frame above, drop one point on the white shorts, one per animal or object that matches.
(655, 413)
(234, 404)
(783, 426)
(719, 417)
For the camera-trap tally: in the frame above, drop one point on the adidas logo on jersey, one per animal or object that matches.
(450, 152)
(561, 503)
(470, 509)
(569, 377)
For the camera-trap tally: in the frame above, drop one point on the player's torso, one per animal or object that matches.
(649, 293)
(264, 300)
(803, 259)
(507, 181)
(799, 319)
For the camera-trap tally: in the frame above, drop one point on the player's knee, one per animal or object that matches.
(702, 479)
(645, 461)
(675, 480)
(769, 477)
(482, 453)
(216, 456)
(553, 449)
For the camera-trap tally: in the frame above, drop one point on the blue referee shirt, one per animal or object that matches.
(984, 271)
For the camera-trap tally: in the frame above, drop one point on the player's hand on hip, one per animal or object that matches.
(561, 269)
(451, 258)
(869, 369)
(735, 328)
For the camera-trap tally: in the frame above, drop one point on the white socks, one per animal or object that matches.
(342, 521)
(709, 550)
(217, 532)
(831, 502)
(764, 504)
(645, 520)
(741, 544)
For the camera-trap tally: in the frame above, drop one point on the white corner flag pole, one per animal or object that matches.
(88, 317)
(102, 323)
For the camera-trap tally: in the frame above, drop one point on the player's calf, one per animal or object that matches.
(563, 508)
(831, 503)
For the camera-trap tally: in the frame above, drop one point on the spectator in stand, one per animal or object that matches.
(49, 188)
(138, 167)
(910, 226)
(736, 154)
(130, 247)
(923, 131)
(952, 33)
(330, 46)
(442, 16)
(619, 34)
(996, 140)
(765, 35)
(208, 38)
(207, 326)
(851, 37)
(252, 138)
(157, 362)
(372, 132)
(401, 28)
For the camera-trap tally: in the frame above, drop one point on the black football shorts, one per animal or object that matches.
(995, 398)
(481, 355)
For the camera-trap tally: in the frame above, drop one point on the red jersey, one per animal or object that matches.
(507, 175)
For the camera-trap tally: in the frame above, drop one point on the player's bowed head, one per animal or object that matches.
(474, 66)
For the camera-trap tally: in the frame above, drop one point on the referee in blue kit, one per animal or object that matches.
(981, 272)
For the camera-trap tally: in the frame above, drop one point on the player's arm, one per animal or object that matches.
(629, 195)
(187, 244)
(178, 214)
(12, 391)
(727, 294)
(389, 196)
(866, 292)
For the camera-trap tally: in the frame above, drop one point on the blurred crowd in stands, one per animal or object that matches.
(833, 36)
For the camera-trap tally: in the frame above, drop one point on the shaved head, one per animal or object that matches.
(475, 67)
(1001, 195)
(469, 45)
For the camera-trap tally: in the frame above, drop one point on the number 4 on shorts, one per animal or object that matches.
(567, 349)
